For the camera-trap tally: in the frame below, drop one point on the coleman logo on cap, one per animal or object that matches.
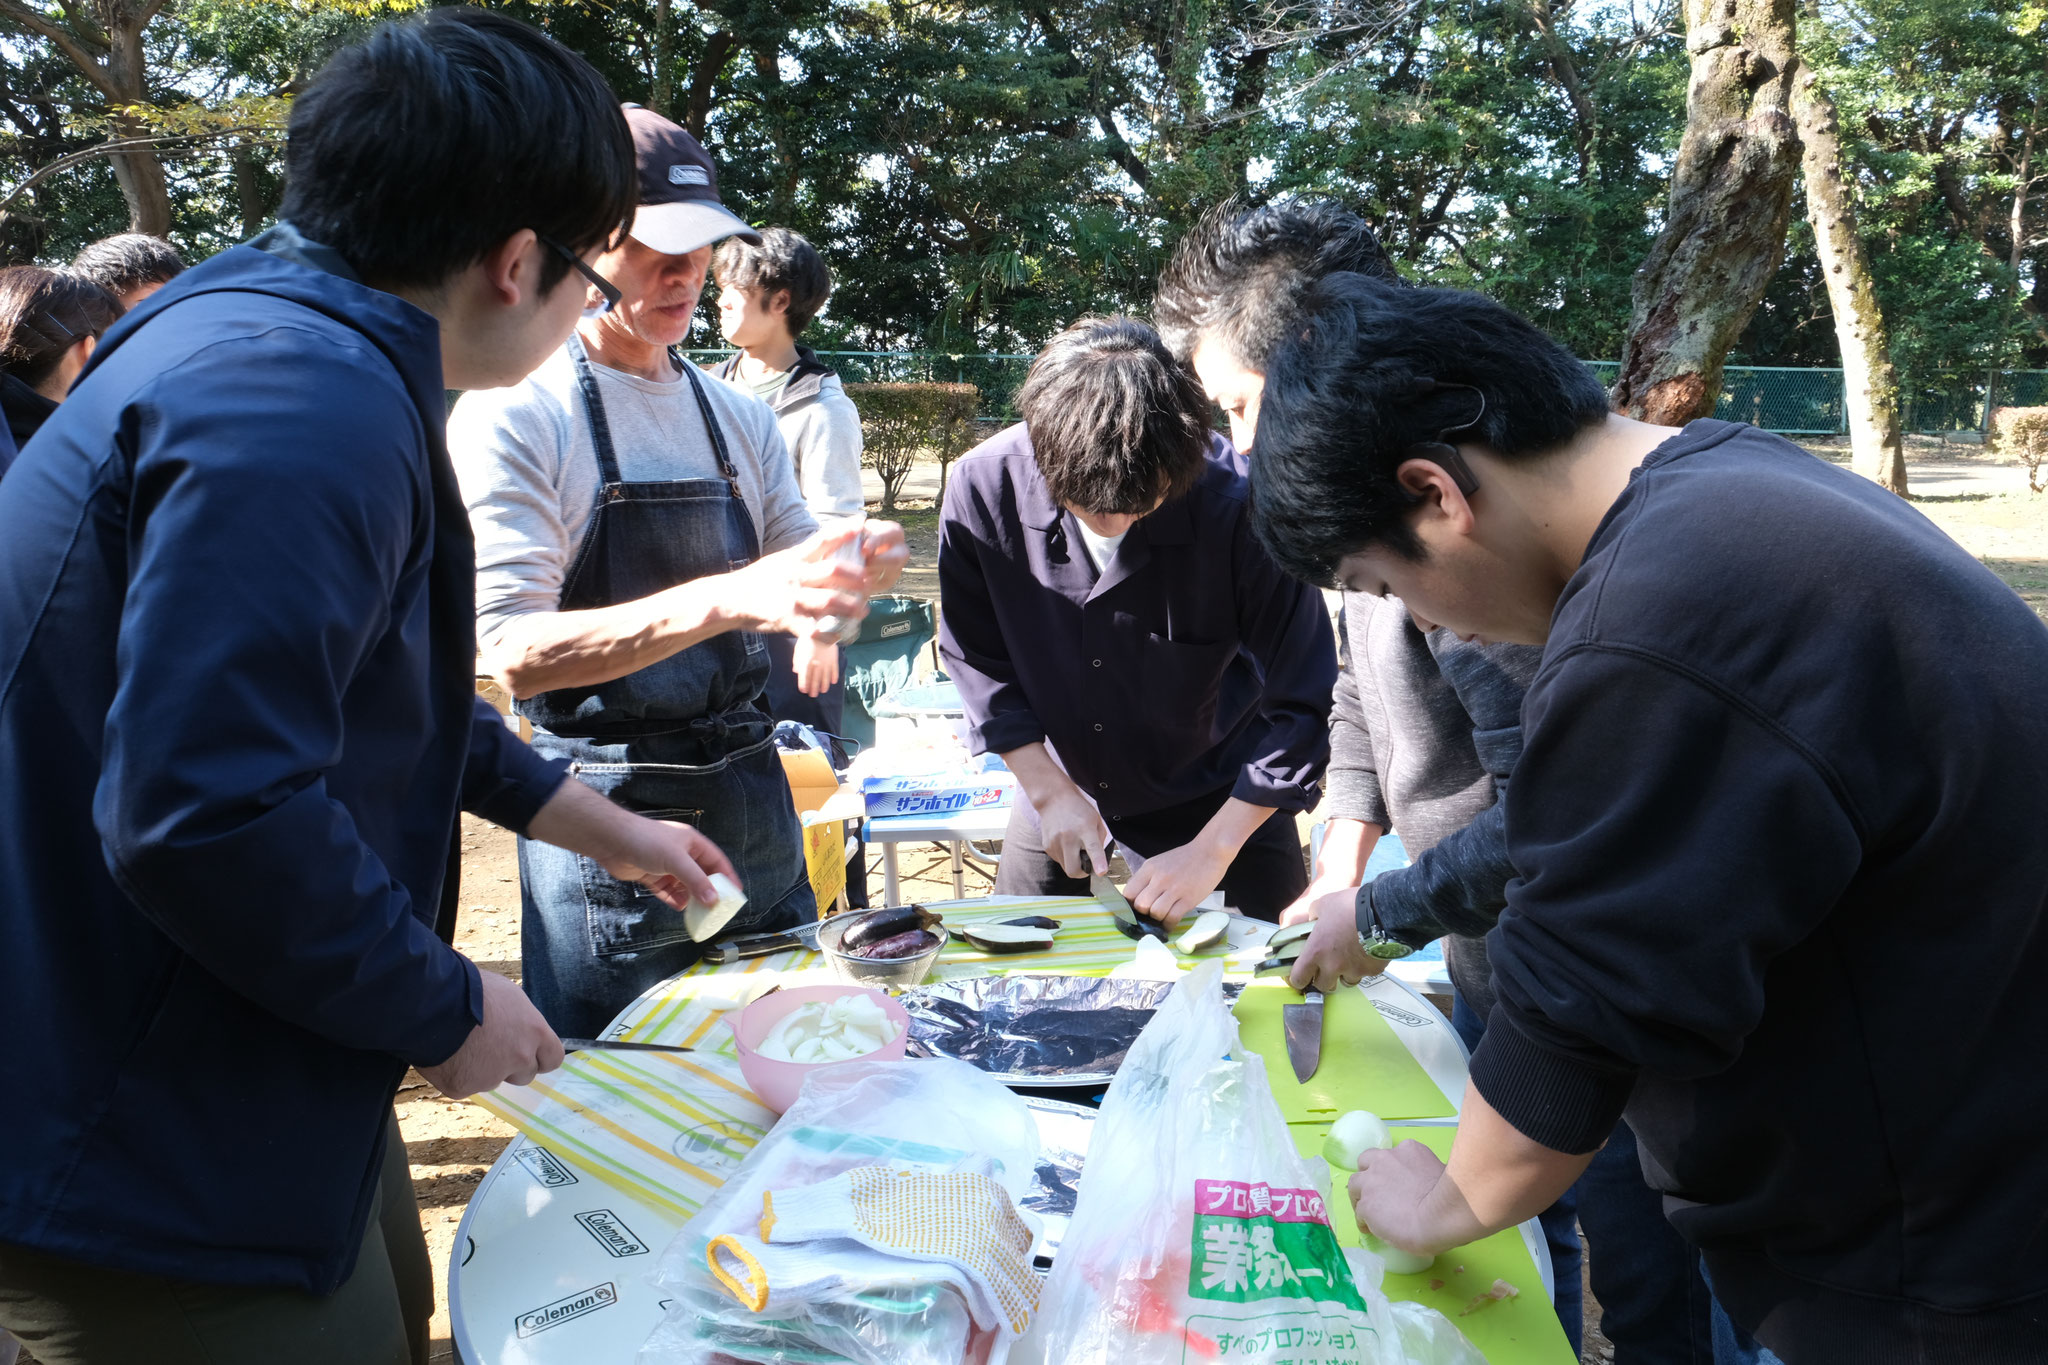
(688, 175)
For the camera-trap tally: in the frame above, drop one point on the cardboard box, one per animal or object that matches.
(823, 806)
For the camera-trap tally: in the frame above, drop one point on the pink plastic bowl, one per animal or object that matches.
(777, 1083)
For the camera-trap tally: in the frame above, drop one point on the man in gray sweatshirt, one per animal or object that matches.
(1425, 731)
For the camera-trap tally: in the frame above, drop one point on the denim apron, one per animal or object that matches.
(682, 739)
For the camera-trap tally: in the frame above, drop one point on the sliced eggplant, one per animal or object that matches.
(1286, 952)
(1284, 936)
(1034, 922)
(1275, 966)
(1206, 931)
(875, 925)
(1007, 938)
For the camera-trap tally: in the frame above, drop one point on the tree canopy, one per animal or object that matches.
(981, 172)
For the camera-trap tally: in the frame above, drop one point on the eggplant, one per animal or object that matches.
(875, 925)
(1033, 922)
(1275, 966)
(909, 943)
(1284, 936)
(1007, 938)
(1207, 930)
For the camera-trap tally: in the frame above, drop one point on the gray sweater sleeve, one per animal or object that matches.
(1459, 884)
(1351, 785)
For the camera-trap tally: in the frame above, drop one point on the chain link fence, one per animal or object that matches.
(1793, 401)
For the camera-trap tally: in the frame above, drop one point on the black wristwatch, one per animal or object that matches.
(1374, 938)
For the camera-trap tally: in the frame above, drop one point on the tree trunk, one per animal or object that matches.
(248, 189)
(139, 173)
(1731, 197)
(1870, 386)
(661, 98)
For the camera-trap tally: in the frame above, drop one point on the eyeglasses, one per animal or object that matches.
(1441, 452)
(580, 266)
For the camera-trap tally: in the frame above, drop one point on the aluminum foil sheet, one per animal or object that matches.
(1063, 1132)
(1033, 1030)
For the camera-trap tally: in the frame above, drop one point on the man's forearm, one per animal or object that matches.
(542, 650)
(1234, 822)
(1496, 1177)
(1042, 779)
(1347, 847)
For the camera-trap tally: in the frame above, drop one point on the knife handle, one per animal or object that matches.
(754, 945)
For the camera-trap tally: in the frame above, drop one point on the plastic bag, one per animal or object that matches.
(934, 1116)
(1201, 1234)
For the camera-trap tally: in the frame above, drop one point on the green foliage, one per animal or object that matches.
(980, 173)
(901, 423)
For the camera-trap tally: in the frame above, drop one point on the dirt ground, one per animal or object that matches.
(1980, 500)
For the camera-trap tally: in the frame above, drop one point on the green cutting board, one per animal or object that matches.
(1363, 1066)
(1518, 1331)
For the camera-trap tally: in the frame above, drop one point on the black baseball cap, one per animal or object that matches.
(679, 205)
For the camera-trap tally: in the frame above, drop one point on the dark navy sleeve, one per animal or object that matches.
(263, 557)
(1283, 627)
(1672, 844)
(505, 781)
(971, 634)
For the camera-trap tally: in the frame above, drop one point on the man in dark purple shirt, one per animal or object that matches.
(1126, 645)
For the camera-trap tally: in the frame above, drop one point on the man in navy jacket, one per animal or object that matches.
(237, 721)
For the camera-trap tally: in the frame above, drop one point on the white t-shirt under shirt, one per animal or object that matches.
(1101, 549)
(528, 470)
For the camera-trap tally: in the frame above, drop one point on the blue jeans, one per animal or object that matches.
(1655, 1306)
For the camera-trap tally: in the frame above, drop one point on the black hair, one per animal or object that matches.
(128, 260)
(1117, 425)
(783, 260)
(1346, 396)
(1240, 274)
(416, 151)
(43, 314)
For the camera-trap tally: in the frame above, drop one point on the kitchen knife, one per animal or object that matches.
(1127, 919)
(618, 1045)
(760, 945)
(1302, 1026)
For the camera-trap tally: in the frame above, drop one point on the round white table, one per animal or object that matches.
(550, 1266)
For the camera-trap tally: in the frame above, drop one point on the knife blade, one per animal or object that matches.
(1127, 919)
(760, 945)
(617, 1045)
(1302, 1026)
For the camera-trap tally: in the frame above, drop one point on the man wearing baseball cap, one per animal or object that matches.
(638, 526)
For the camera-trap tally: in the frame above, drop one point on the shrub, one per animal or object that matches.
(2023, 432)
(901, 422)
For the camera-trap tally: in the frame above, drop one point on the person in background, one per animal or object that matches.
(1424, 734)
(50, 320)
(768, 293)
(129, 265)
(638, 527)
(238, 722)
(1120, 639)
(1781, 755)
